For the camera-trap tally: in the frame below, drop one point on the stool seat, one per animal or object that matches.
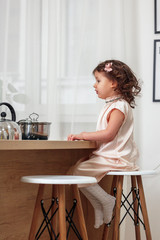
(58, 179)
(132, 173)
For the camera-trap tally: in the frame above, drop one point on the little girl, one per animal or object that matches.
(116, 150)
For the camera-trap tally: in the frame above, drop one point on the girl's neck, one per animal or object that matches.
(113, 98)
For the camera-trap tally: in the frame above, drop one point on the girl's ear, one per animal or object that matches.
(114, 84)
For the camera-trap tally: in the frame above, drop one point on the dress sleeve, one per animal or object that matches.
(121, 106)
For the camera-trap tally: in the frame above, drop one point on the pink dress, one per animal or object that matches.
(118, 155)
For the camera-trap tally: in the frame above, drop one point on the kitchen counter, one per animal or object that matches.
(45, 145)
(21, 158)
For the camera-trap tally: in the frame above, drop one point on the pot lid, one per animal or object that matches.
(33, 119)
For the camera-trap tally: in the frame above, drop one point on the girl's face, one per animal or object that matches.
(104, 87)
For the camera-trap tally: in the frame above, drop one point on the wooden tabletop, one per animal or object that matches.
(44, 144)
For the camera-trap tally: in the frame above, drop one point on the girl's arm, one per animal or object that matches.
(115, 121)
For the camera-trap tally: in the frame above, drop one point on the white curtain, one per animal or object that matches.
(48, 49)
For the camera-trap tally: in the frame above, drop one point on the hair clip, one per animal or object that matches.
(107, 67)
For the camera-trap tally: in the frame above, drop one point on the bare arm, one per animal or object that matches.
(115, 122)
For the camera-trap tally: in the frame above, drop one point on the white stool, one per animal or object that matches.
(58, 183)
(138, 203)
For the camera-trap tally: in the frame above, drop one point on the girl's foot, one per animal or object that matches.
(98, 217)
(108, 207)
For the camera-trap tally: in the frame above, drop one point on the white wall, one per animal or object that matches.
(148, 115)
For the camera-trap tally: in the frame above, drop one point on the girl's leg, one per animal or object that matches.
(98, 211)
(102, 198)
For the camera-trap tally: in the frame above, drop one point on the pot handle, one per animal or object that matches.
(34, 119)
(11, 109)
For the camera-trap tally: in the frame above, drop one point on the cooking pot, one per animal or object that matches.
(9, 129)
(33, 130)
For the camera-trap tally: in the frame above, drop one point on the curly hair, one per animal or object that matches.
(127, 83)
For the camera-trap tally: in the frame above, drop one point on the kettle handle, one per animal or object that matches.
(11, 109)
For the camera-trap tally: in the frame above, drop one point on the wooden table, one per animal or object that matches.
(21, 158)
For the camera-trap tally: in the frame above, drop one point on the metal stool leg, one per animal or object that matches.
(118, 206)
(36, 212)
(144, 208)
(137, 226)
(79, 208)
(107, 227)
(62, 213)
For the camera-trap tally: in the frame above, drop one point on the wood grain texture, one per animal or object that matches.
(80, 214)
(36, 213)
(44, 145)
(144, 208)
(61, 212)
(117, 208)
(135, 205)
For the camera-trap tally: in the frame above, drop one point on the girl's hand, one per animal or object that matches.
(73, 137)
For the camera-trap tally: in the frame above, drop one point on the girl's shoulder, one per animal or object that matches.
(121, 105)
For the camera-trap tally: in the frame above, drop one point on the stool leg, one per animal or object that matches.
(106, 227)
(79, 208)
(144, 208)
(137, 227)
(62, 212)
(36, 212)
(118, 207)
(54, 219)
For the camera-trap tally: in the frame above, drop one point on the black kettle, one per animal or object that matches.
(9, 129)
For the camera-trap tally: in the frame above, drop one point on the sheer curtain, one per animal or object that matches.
(49, 49)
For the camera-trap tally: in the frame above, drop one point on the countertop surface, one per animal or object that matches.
(45, 144)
